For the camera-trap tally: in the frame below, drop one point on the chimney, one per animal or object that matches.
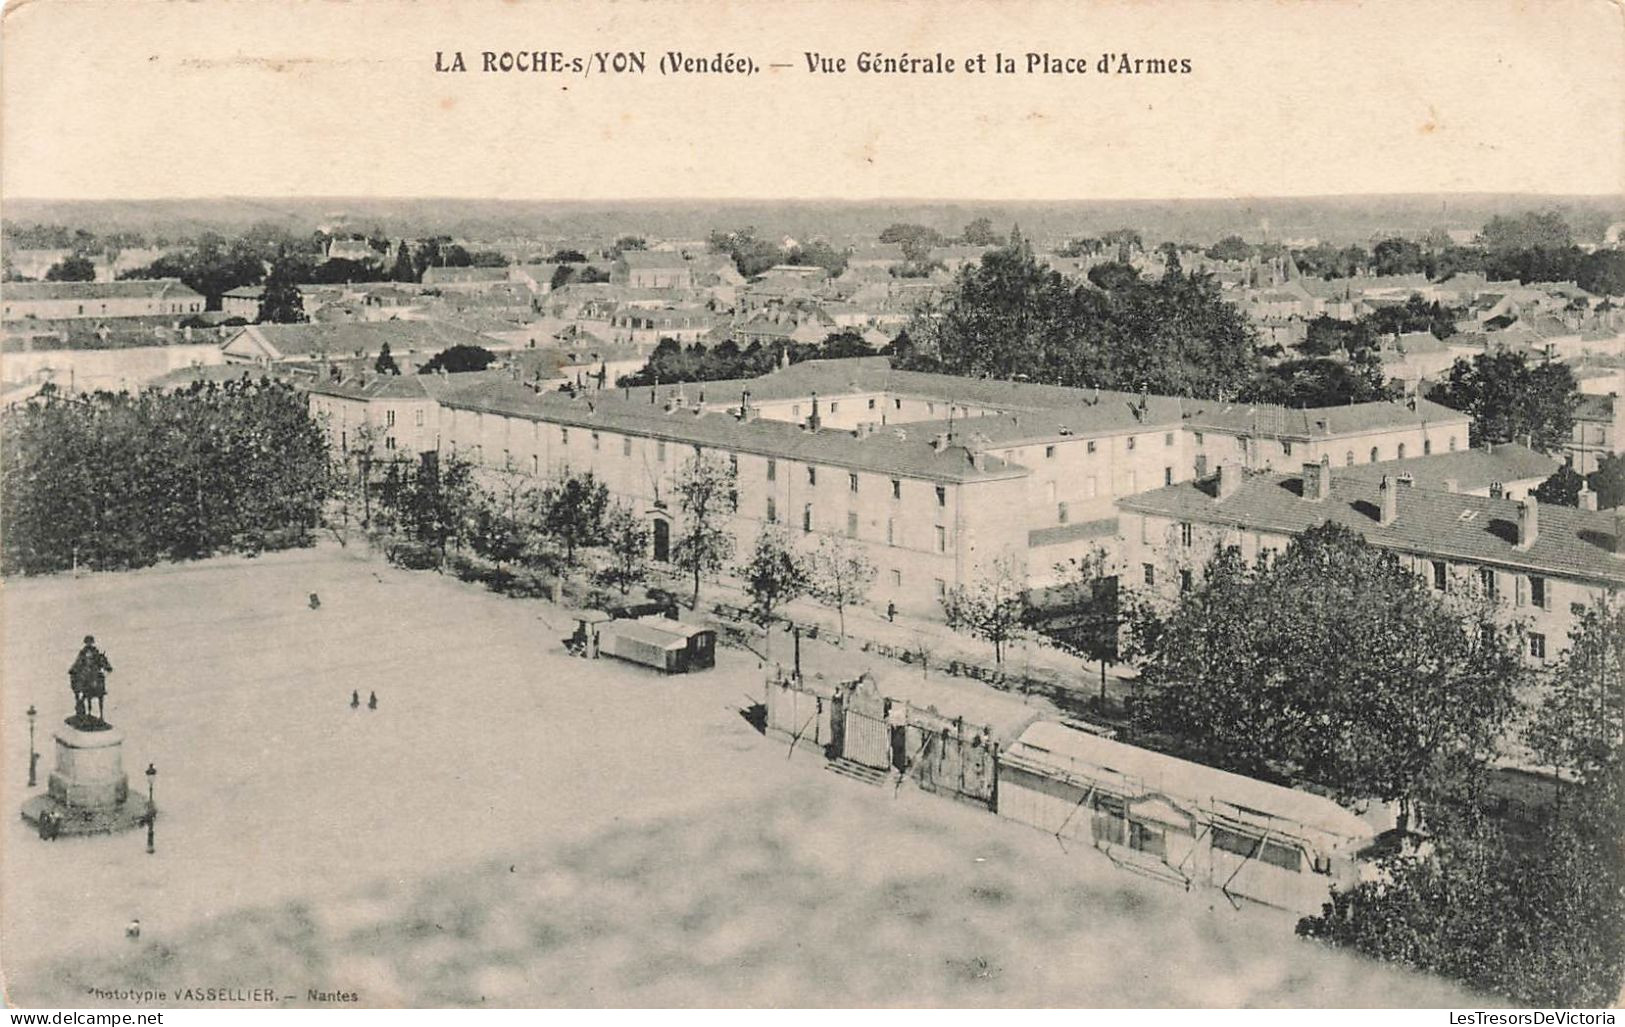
(1229, 479)
(1317, 479)
(1497, 490)
(1588, 499)
(1387, 501)
(939, 441)
(1526, 440)
(1451, 485)
(813, 420)
(977, 460)
(1528, 521)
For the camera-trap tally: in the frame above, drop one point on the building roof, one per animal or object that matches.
(462, 275)
(1051, 745)
(1064, 533)
(1571, 542)
(132, 288)
(1319, 422)
(900, 453)
(649, 260)
(279, 341)
(1470, 469)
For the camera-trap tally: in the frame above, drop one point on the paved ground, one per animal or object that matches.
(516, 827)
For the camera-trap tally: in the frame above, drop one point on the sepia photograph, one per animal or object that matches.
(856, 504)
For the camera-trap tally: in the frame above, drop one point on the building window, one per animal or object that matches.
(897, 404)
(1452, 443)
(1168, 438)
(1537, 593)
(941, 587)
(942, 539)
(896, 576)
(1130, 442)
(1185, 533)
(626, 445)
(806, 517)
(1049, 452)
(772, 469)
(871, 404)
(1427, 447)
(930, 408)
(595, 442)
(897, 488)
(1060, 513)
(1150, 575)
(733, 464)
(795, 410)
(389, 418)
(1537, 646)
(1373, 454)
(942, 496)
(1286, 448)
(891, 532)
(1131, 481)
(418, 418)
(852, 482)
(389, 442)
(1167, 475)
(1348, 458)
(834, 406)
(1185, 580)
(1486, 577)
(772, 511)
(851, 524)
(507, 460)
(1090, 446)
(1198, 436)
(660, 451)
(1441, 575)
(812, 475)
(535, 465)
(564, 436)
(1401, 455)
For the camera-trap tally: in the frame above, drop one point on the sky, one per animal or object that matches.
(130, 99)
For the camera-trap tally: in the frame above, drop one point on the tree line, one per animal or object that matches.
(113, 481)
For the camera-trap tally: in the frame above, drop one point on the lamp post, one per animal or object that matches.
(33, 757)
(152, 809)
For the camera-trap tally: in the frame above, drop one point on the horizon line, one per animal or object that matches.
(443, 198)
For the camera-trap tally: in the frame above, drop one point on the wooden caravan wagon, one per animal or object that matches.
(665, 645)
(1181, 821)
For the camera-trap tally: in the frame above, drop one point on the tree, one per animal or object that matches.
(980, 233)
(1562, 488)
(1608, 481)
(993, 608)
(706, 491)
(385, 364)
(627, 539)
(1334, 663)
(1508, 398)
(1580, 725)
(1531, 230)
(459, 359)
(628, 244)
(1602, 272)
(774, 575)
(404, 269)
(751, 255)
(839, 575)
(497, 533)
(1397, 256)
(917, 241)
(1319, 382)
(574, 511)
(72, 269)
(1230, 248)
(281, 302)
(433, 504)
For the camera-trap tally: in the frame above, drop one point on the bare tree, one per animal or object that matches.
(839, 576)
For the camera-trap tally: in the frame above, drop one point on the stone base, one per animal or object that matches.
(73, 820)
(89, 772)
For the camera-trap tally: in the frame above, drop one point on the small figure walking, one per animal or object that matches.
(372, 700)
(355, 699)
(315, 601)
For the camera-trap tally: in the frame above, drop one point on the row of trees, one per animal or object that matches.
(672, 362)
(1334, 664)
(110, 482)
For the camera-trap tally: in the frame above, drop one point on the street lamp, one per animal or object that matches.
(152, 809)
(33, 757)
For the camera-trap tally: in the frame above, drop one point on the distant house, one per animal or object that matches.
(100, 300)
(474, 278)
(1597, 433)
(243, 302)
(409, 342)
(644, 270)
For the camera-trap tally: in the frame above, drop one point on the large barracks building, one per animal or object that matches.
(936, 476)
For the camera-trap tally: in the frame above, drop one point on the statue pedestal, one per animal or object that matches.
(88, 792)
